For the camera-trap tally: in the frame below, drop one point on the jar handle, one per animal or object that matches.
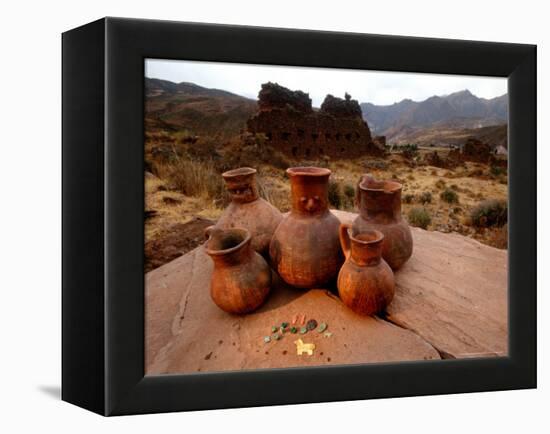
(210, 231)
(345, 241)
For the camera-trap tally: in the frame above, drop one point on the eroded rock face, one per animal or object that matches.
(291, 125)
(473, 150)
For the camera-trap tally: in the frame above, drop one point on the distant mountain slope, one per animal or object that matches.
(199, 110)
(495, 135)
(460, 110)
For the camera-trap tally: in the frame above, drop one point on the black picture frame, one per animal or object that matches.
(103, 217)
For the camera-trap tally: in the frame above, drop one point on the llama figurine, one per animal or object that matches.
(302, 348)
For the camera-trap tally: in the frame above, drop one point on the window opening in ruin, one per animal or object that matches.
(321, 152)
(269, 135)
(327, 136)
(308, 151)
(294, 150)
(337, 136)
(348, 136)
(285, 136)
(357, 135)
(301, 133)
(314, 136)
(342, 150)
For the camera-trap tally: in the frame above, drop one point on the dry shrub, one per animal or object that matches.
(498, 237)
(419, 217)
(193, 178)
(489, 213)
(440, 184)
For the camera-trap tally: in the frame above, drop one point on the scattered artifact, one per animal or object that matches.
(241, 279)
(365, 283)
(305, 249)
(274, 329)
(311, 324)
(303, 330)
(327, 334)
(267, 339)
(248, 210)
(293, 330)
(379, 204)
(302, 348)
(322, 327)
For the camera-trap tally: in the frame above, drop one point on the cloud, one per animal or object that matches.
(378, 87)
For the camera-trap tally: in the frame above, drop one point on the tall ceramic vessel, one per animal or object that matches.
(379, 204)
(241, 279)
(305, 248)
(248, 210)
(365, 282)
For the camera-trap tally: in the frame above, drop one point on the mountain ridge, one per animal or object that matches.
(462, 108)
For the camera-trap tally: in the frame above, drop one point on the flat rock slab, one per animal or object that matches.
(451, 296)
(454, 293)
(187, 332)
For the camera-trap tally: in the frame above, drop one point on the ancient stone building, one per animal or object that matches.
(291, 125)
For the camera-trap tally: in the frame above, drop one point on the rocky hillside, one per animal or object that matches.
(194, 109)
(457, 110)
(494, 135)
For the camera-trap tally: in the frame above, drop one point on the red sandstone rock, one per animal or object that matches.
(434, 306)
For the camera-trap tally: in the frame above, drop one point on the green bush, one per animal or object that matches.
(334, 194)
(419, 217)
(449, 196)
(425, 198)
(491, 212)
(497, 171)
(349, 191)
(408, 198)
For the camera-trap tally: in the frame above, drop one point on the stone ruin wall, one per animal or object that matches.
(292, 126)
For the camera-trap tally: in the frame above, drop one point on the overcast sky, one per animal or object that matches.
(366, 86)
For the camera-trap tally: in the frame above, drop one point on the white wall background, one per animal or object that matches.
(30, 231)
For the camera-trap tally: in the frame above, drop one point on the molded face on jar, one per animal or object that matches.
(305, 249)
(241, 184)
(248, 210)
(309, 189)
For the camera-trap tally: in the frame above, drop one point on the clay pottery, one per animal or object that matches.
(365, 282)
(379, 204)
(305, 249)
(241, 279)
(248, 210)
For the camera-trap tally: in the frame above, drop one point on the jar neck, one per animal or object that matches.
(366, 254)
(380, 205)
(235, 257)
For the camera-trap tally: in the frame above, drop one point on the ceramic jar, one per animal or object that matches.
(379, 204)
(241, 279)
(365, 282)
(305, 249)
(248, 210)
